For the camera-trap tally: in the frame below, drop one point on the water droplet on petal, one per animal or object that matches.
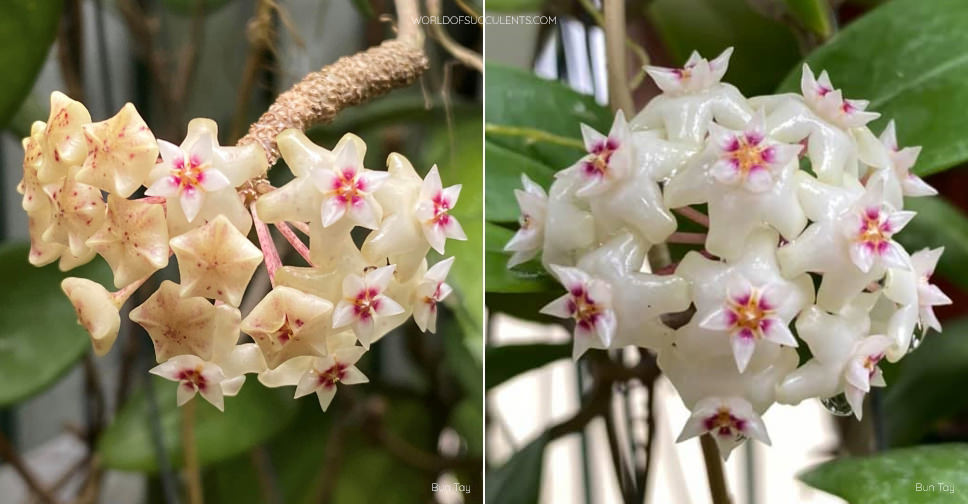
(837, 405)
(916, 339)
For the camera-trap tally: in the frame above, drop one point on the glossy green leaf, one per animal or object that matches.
(927, 386)
(250, 418)
(521, 99)
(939, 224)
(897, 476)
(518, 481)
(27, 29)
(765, 49)
(909, 58)
(507, 361)
(40, 338)
(815, 15)
(528, 277)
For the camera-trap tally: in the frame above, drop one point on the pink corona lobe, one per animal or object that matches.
(601, 151)
(724, 423)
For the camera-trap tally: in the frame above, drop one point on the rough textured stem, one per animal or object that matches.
(193, 478)
(8, 452)
(619, 95)
(714, 470)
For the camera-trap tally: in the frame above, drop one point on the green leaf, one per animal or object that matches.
(528, 277)
(504, 169)
(250, 418)
(765, 49)
(27, 29)
(815, 15)
(518, 481)
(40, 339)
(926, 384)
(521, 99)
(938, 224)
(893, 476)
(507, 361)
(916, 75)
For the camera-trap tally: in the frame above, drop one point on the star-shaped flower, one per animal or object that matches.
(177, 325)
(698, 74)
(609, 159)
(62, 142)
(235, 360)
(347, 189)
(77, 212)
(638, 299)
(364, 300)
(527, 241)
(216, 261)
(863, 372)
(430, 291)
(34, 197)
(914, 287)
(729, 420)
(830, 103)
(328, 371)
(121, 153)
(850, 240)
(432, 210)
(133, 239)
(570, 226)
(743, 303)
(747, 178)
(589, 302)
(194, 375)
(288, 323)
(199, 178)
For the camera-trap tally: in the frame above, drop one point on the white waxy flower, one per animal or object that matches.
(401, 238)
(97, 311)
(199, 177)
(570, 226)
(924, 294)
(638, 299)
(729, 420)
(433, 207)
(608, 162)
(364, 300)
(850, 240)
(235, 360)
(328, 371)
(430, 291)
(347, 189)
(741, 306)
(692, 97)
(288, 323)
(862, 371)
(830, 103)
(698, 74)
(193, 375)
(133, 240)
(902, 179)
(589, 302)
(527, 241)
(747, 178)
(216, 261)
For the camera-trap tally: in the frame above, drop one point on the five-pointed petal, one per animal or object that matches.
(121, 153)
(364, 299)
(133, 239)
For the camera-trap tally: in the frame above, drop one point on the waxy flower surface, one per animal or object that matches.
(364, 300)
(795, 243)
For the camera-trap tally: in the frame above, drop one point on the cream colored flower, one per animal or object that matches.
(288, 323)
(133, 240)
(62, 143)
(77, 212)
(216, 261)
(97, 311)
(175, 324)
(121, 153)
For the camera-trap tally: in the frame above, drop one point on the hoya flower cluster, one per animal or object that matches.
(798, 193)
(81, 190)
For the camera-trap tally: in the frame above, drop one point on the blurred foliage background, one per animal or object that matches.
(906, 56)
(100, 430)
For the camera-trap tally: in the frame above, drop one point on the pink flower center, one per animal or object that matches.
(747, 154)
(725, 424)
(749, 314)
(194, 377)
(285, 333)
(189, 176)
(441, 206)
(875, 230)
(870, 363)
(348, 187)
(601, 151)
(583, 308)
(366, 302)
(331, 376)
